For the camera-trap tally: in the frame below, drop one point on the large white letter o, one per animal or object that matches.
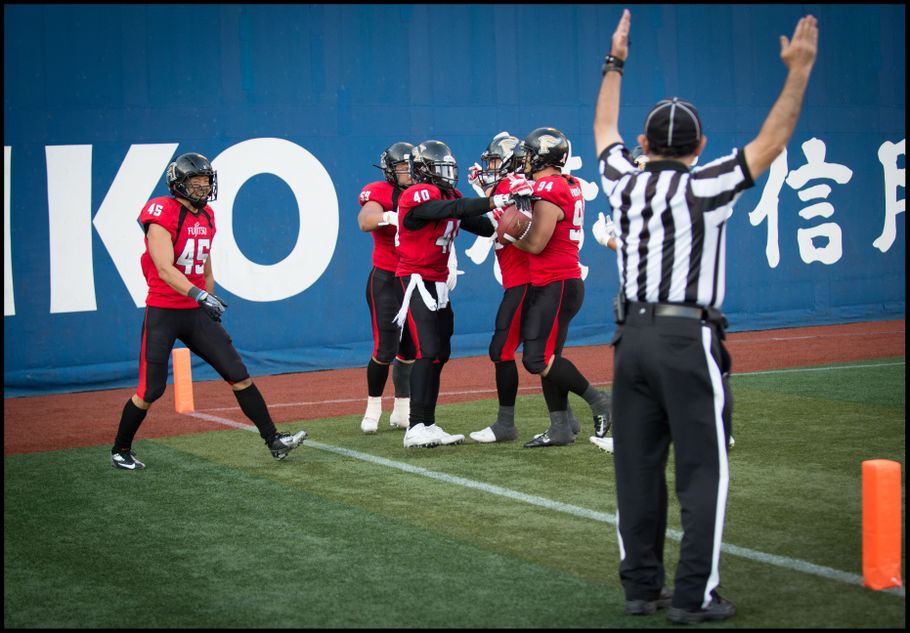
(317, 204)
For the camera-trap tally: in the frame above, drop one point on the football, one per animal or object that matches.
(513, 222)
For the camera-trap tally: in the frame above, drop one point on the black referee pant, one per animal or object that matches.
(668, 385)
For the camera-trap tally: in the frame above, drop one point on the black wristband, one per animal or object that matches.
(612, 63)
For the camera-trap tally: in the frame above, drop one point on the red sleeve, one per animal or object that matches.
(554, 189)
(380, 192)
(162, 211)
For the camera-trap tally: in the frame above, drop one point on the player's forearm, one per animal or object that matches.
(175, 279)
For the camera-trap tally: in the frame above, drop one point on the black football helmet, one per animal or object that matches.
(432, 162)
(501, 148)
(545, 147)
(394, 154)
(186, 166)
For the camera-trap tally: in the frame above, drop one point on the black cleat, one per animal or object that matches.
(284, 443)
(544, 439)
(125, 460)
(602, 424)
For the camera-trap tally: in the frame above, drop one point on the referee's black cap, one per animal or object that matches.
(673, 123)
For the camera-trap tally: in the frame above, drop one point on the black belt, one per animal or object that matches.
(712, 315)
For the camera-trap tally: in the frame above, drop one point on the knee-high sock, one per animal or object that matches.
(377, 375)
(506, 382)
(253, 406)
(401, 377)
(556, 397)
(130, 420)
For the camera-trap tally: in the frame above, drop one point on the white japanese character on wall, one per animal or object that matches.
(895, 177)
(831, 250)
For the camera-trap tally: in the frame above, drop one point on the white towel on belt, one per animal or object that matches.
(442, 300)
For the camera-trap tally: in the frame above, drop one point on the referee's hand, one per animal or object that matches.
(799, 53)
(620, 44)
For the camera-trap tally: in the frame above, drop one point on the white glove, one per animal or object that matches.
(453, 270)
(520, 186)
(389, 217)
(604, 230)
(502, 200)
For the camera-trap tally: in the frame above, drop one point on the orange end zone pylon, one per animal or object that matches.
(183, 380)
(881, 524)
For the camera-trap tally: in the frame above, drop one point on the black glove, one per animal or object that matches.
(214, 306)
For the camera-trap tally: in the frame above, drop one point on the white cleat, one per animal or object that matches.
(603, 443)
(420, 435)
(485, 436)
(369, 425)
(401, 414)
(444, 438)
(731, 443)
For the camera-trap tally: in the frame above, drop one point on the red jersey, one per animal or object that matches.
(426, 250)
(513, 262)
(191, 248)
(559, 258)
(385, 255)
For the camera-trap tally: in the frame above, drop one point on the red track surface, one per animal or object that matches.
(86, 419)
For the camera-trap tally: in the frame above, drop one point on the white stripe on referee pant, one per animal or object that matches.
(723, 482)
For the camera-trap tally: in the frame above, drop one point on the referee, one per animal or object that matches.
(669, 358)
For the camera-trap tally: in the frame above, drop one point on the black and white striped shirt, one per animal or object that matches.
(670, 220)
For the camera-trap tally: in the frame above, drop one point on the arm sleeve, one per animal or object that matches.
(439, 209)
(478, 225)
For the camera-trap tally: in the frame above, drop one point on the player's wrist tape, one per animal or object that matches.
(198, 294)
(612, 63)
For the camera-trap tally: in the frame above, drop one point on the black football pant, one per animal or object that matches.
(431, 331)
(384, 296)
(206, 338)
(668, 386)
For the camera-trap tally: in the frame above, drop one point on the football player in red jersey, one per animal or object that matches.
(379, 215)
(179, 230)
(498, 162)
(557, 290)
(430, 213)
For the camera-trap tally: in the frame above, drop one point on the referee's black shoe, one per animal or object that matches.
(647, 607)
(719, 609)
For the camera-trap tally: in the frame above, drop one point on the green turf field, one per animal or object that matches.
(356, 531)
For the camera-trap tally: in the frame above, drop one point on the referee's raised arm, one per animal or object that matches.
(606, 114)
(799, 56)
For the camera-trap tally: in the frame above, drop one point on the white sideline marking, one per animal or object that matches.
(566, 508)
(536, 388)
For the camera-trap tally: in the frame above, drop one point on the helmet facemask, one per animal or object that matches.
(498, 161)
(432, 162)
(186, 167)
